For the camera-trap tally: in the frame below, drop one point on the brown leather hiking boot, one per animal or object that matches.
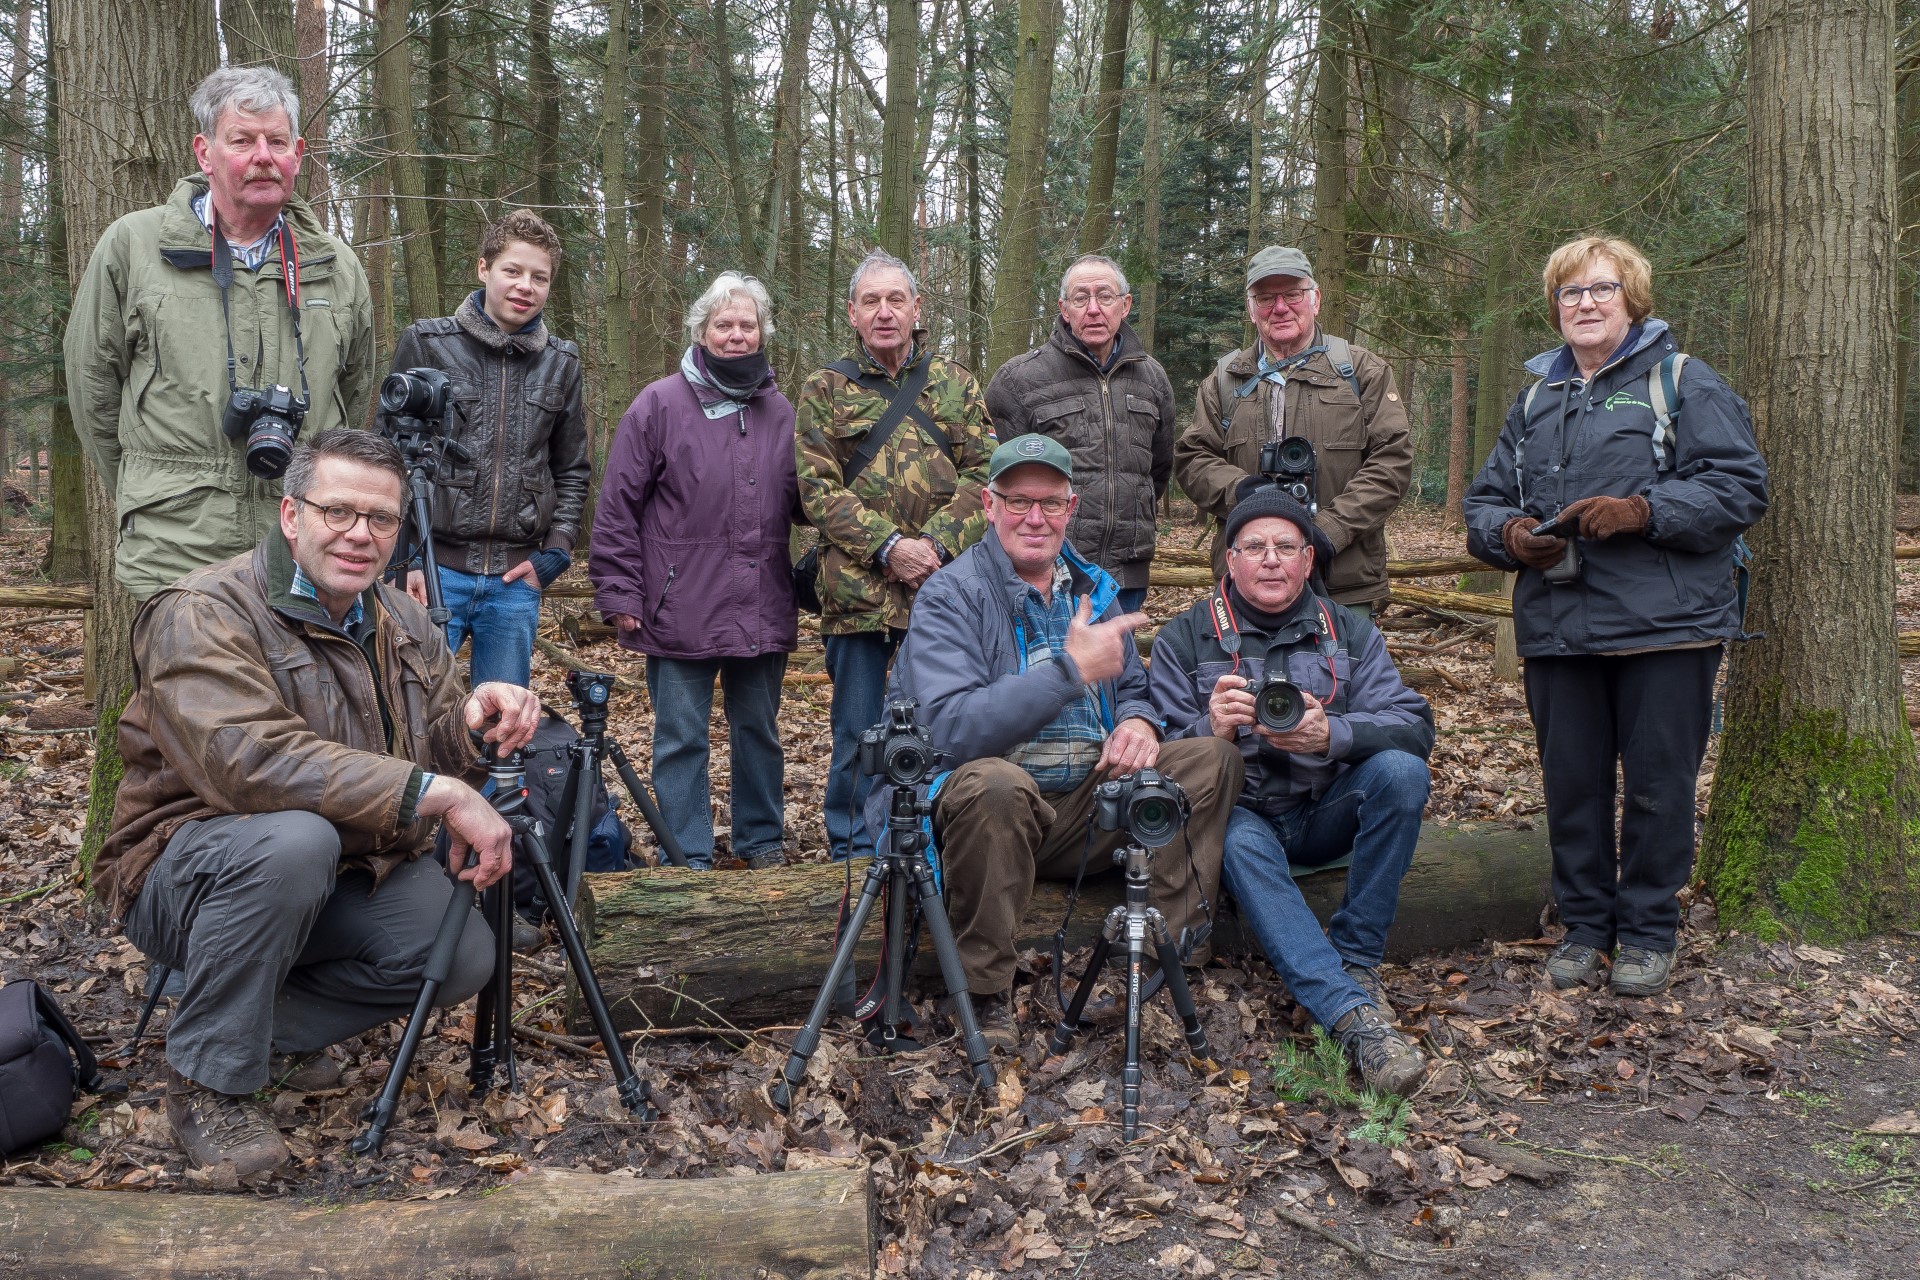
(220, 1128)
(1388, 1061)
(303, 1072)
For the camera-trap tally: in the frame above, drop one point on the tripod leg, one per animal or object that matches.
(1177, 988)
(493, 1008)
(1070, 1023)
(808, 1038)
(578, 797)
(634, 1092)
(379, 1113)
(669, 847)
(951, 970)
(893, 1013)
(1130, 1071)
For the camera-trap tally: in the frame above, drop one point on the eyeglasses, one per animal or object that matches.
(1603, 293)
(341, 519)
(1079, 298)
(1259, 551)
(1292, 297)
(1018, 504)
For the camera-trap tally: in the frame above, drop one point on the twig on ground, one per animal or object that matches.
(1583, 1155)
(1904, 1176)
(1366, 1253)
(46, 733)
(1764, 1212)
(43, 619)
(22, 896)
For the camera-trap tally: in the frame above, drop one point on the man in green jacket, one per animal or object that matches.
(160, 342)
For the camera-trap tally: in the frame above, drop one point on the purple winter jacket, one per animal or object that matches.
(690, 533)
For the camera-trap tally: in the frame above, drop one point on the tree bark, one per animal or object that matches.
(1257, 72)
(1457, 461)
(12, 176)
(543, 86)
(66, 559)
(752, 950)
(720, 52)
(1152, 166)
(618, 374)
(1331, 176)
(454, 284)
(125, 137)
(553, 1224)
(789, 189)
(1815, 799)
(1023, 189)
(970, 196)
(656, 345)
(1908, 98)
(260, 31)
(393, 85)
(310, 51)
(1096, 225)
(897, 132)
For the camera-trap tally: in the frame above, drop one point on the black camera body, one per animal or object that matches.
(1149, 806)
(898, 749)
(1279, 705)
(1293, 467)
(268, 419)
(422, 396)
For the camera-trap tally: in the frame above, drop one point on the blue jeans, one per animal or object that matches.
(1372, 811)
(1131, 598)
(500, 616)
(682, 694)
(857, 665)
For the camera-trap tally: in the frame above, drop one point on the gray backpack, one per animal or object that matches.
(1339, 354)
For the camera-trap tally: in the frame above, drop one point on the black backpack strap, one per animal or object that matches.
(902, 400)
(86, 1071)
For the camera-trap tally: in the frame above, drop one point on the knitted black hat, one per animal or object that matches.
(1268, 500)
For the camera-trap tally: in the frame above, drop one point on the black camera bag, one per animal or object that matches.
(42, 1060)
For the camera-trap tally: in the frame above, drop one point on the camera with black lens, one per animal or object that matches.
(1279, 705)
(419, 397)
(268, 419)
(1150, 807)
(1292, 466)
(898, 748)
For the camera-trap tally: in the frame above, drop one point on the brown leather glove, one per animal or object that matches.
(1534, 552)
(1602, 518)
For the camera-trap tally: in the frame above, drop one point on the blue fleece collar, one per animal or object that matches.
(1556, 364)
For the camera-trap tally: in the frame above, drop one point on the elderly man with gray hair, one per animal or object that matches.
(1093, 387)
(209, 332)
(892, 444)
(689, 561)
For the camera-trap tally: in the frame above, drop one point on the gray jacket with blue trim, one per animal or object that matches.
(1672, 586)
(1369, 708)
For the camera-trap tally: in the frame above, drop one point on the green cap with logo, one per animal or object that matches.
(1276, 260)
(1031, 447)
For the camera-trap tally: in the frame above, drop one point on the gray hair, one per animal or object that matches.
(255, 90)
(880, 260)
(727, 286)
(1095, 259)
(348, 443)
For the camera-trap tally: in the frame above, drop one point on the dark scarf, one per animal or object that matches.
(474, 321)
(735, 377)
(1259, 619)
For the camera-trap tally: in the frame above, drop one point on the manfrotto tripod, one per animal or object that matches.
(1134, 923)
(493, 1012)
(897, 750)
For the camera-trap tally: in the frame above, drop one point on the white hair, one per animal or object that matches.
(1094, 259)
(880, 260)
(727, 286)
(255, 90)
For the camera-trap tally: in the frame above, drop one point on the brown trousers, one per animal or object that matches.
(998, 834)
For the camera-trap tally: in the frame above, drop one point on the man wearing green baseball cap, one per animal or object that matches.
(1298, 380)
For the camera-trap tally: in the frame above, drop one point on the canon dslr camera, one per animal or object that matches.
(268, 419)
(417, 396)
(1149, 807)
(1292, 466)
(898, 748)
(1279, 705)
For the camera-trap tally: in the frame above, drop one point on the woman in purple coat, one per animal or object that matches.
(689, 561)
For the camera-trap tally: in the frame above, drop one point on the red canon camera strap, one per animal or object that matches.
(1226, 630)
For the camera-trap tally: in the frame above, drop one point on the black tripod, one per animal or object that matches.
(414, 407)
(902, 870)
(1135, 922)
(493, 1012)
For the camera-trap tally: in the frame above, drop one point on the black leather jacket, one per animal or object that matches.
(519, 412)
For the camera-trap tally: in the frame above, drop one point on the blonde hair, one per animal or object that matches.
(1575, 256)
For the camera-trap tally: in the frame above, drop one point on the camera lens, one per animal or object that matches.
(907, 763)
(1279, 705)
(1296, 454)
(269, 446)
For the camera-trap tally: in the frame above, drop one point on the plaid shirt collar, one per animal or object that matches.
(303, 586)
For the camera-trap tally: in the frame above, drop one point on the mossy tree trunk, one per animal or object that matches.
(1811, 828)
(1023, 188)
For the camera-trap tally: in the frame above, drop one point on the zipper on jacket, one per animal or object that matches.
(673, 571)
(499, 471)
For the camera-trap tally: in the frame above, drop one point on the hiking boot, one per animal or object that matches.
(1388, 1061)
(1367, 978)
(1642, 971)
(528, 937)
(304, 1072)
(765, 861)
(994, 1016)
(219, 1128)
(1574, 964)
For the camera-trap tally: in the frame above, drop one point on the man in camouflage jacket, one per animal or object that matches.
(913, 508)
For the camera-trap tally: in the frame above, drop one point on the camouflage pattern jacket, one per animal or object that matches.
(910, 488)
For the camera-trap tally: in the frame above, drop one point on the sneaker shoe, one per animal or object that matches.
(1367, 978)
(994, 1016)
(1642, 971)
(1388, 1061)
(304, 1072)
(1574, 964)
(218, 1128)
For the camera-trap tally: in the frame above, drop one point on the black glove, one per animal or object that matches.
(549, 564)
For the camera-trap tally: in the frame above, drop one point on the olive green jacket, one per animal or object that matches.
(146, 354)
(910, 488)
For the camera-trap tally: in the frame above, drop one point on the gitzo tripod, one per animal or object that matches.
(413, 414)
(1150, 809)
(493, 1012)
(899, 751)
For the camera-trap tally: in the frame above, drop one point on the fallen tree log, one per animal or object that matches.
(77, 595)
(552, 1224)
(749, 949)
(1453, 601)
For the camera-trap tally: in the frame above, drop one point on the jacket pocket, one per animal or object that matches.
(416, 691)
(1069, 421)
(666, 590)
(304, 688)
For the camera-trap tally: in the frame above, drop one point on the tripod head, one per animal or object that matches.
(590, 690)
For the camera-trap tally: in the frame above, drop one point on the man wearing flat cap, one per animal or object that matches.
(1335, 767)
(1299, 380)
(1028, 680)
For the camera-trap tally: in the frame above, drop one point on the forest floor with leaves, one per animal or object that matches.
(1760, 1119)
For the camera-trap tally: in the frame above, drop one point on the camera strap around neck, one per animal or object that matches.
(221, 260)
(1226, 629)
